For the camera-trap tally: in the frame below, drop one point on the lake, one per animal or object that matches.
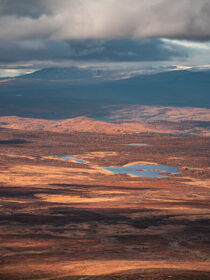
(137, 170)
(144, 170)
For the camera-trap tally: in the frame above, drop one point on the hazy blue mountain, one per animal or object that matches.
(68, 92)
(66, 73)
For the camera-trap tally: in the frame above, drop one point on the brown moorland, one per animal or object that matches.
(61, 219)
(125, 119)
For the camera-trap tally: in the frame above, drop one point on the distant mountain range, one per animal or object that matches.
(71, 92)
(66, 73)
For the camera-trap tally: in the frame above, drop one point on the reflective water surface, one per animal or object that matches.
(144, 170)
(71, 158)
(138, 145)
(137, 170)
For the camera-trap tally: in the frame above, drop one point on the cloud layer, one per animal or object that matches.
(89, 50)
(104, 19)
(65, 32)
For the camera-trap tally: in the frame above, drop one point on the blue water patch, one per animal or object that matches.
(138, 145)
(71, 158)
(144, 170)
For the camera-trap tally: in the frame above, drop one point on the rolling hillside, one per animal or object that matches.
(71, 92)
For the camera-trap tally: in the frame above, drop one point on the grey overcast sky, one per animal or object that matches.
(37, 33)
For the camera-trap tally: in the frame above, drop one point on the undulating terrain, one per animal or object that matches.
(104, 140)
(105, 175)
(64, 216)
(54, 93)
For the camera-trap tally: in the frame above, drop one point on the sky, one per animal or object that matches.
(103, 33)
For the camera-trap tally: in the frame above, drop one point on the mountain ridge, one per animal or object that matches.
(88, 94)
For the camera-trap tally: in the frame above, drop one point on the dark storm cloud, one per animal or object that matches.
(15, 51)
(124, 50)
(94, 19)
(99, 30)
(89, 50)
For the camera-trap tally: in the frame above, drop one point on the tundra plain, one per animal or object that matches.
(61, 219)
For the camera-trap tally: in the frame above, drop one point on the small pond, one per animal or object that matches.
(71, 158)
(144, 170)
(138, 145)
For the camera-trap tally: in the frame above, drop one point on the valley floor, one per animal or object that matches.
(64, 220)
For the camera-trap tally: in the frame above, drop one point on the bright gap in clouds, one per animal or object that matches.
(189, 44)
(14, 72)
